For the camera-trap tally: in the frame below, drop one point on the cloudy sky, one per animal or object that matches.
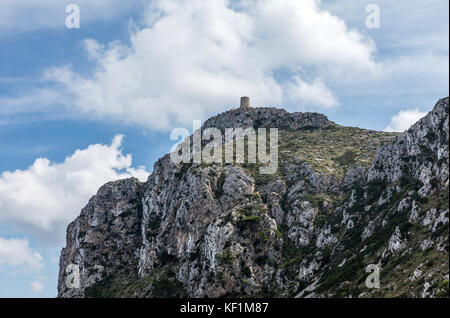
(83, 106)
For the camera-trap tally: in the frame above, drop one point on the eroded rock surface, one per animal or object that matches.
(310, 230)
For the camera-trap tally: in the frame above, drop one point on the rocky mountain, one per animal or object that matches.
(342, 198)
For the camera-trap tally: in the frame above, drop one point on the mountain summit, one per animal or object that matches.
(343, 200)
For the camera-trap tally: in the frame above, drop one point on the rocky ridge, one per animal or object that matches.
(342, 198)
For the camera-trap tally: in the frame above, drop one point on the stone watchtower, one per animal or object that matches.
(245, 103)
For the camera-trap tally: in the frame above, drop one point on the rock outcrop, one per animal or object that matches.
(342, 198)
(267, 117)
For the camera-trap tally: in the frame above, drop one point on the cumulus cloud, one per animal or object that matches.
(37, 286)
(193, 58)
(44, 198)
(314, 94)
(17, 253)
(28, 15)
(414, 50)
(404, 119)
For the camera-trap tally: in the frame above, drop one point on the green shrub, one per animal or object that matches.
(226, 257)
(251, 218)
(220, 277)
(348, 158)
(375, 188)
(219, 186)
(278, 233)
(247, 272)
(162, 287)
(263, 236)
(443, 290)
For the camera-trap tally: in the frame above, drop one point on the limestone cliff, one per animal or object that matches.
(342, 198)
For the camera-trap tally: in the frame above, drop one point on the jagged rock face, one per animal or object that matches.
(422, 150)
(105, 236)
(193, 219)
(214, 230)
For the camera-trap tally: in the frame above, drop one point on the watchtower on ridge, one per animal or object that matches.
(245, 103)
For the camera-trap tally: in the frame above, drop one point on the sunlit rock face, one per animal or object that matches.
(341, 199)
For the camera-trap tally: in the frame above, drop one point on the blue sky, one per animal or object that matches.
(80, 107)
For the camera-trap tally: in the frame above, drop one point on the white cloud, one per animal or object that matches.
(413, 40)
(37, 286)
(93, 49)
(410, 25)
(44, 198)
(416, 73)
(28, 15)
(404, 119)
(314, 94)
(18, 253)
(194, 58)
(35, 100)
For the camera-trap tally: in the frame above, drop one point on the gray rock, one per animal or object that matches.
(213, 230)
